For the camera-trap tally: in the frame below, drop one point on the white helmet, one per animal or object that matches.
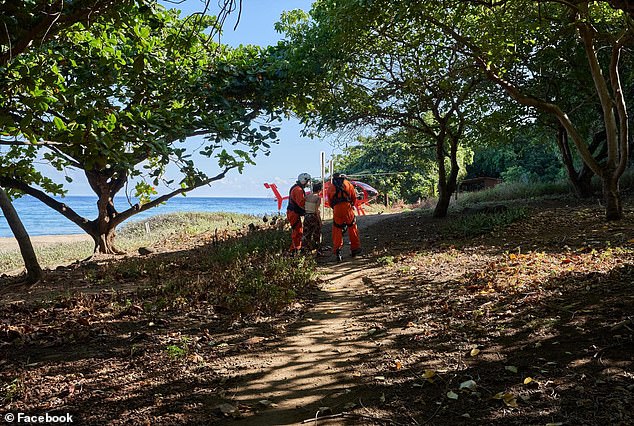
(303, 178)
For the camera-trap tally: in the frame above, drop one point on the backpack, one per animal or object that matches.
(340, 193)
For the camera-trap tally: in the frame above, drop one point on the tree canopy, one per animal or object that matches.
(387, 64)
(389, 74)
(118, 102)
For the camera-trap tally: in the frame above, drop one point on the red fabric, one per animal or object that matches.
(297, 231)
(337, 238)
(343, 213)
(298, 196)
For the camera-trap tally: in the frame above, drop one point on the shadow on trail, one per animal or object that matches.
(574, 339)
(180, 369)
(315, 367)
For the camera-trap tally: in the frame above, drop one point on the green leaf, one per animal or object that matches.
(59, 124)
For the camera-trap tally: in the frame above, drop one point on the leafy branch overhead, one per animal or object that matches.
(119, 102)
(388, 66)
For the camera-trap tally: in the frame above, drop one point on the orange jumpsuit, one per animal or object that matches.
(294, 213)
(343, 215)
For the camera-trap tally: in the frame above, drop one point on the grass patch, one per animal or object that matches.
(162, 227)
(48, 256)
(244, 276)
(386, 260)
(481, 223)
(514, 191)
(507, 191)
(133, 235)
(248, 275)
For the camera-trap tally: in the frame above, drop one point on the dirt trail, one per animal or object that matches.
(313, 366)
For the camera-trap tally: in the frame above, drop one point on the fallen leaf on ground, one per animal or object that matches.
(428, 374)
(507, 397)
(254, 340)
(469, 384)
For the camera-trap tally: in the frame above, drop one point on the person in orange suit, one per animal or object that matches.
(341, 197)
(296, 209)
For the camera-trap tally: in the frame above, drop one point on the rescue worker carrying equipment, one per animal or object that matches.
(295, 210)
(341, 196)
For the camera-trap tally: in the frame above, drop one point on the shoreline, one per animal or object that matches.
(11, 244)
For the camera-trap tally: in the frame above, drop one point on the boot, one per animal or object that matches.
(339, 255)
(356, 252)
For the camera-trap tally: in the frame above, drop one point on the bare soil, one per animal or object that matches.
(9, 244)
(530, 324)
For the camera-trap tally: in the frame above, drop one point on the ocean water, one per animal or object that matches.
(39, 219)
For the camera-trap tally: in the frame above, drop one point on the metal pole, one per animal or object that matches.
(323, 183)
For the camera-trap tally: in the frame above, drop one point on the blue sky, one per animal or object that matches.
(294, 154)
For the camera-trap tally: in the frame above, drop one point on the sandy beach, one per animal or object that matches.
(9, 244)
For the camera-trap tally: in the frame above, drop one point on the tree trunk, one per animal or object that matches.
(103, 230)
(582, 184)
(580, 181)
(33, 269)
(446, 186)
(444, 198)
(610, 95)
(612, 198)
(105, 186)
(104, 241)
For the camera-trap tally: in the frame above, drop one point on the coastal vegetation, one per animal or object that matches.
(156, 231)
(118, 99)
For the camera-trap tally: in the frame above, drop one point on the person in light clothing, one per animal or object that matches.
(312, 219)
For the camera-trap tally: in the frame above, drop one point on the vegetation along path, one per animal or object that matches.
(518, 315)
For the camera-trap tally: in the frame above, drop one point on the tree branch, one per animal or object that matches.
(26, 143)
(137, 208)
(587, 38)
(61, 208)
(621, 108)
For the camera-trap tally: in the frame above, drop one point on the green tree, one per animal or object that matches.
(366, 67)
(388, 163)
(565, 81)
(26, 23)
(503, 38)
(124, 100)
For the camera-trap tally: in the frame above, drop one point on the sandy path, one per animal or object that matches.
(315, 365)
(10, 244)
